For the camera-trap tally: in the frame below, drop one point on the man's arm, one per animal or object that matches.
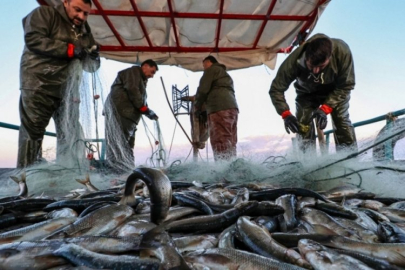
(285, 76)
(204, 87)
(37, 26)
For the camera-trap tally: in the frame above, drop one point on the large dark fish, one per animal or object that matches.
(81, 256)
(211, 222)
(260, 241)
(266, 208)
(27, 205)
(335, 209)
(160, 191)
(272, 194)
(80, 205)
(185, 200)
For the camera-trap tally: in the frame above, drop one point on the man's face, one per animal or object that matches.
(77, 11)
(318, 68)
(207, 64)
(148, 71)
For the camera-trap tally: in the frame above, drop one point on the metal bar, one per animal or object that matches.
(176, 37)
(145, 32)
(259, 34)
(221, 11)
(15, 127)
(171, 49)
(109, 23)
(192, 15)
(373, 120)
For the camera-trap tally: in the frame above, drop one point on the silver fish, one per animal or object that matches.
(99, 222)
(322, 258)
(222, 258)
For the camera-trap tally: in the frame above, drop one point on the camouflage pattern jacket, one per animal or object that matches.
(128, 93)
(45, 65)
(337, 79)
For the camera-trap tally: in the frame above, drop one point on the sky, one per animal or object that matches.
(372, 28)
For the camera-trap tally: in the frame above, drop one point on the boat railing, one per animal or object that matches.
(389, 118)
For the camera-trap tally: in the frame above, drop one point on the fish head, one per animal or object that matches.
(8, 252)
(308, 245)
(385, 230)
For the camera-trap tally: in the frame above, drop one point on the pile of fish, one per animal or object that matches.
(150, 222)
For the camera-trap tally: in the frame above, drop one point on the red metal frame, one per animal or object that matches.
(309, 19)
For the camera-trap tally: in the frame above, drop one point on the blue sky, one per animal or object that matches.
(374, 30)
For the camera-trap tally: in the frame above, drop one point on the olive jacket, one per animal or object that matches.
(128, 93)
(216, 90)
(337, 79)
(45, 65)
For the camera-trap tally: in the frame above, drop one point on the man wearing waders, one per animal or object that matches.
(58, 45)
(323, 71)
(124, 107)
(216, 92)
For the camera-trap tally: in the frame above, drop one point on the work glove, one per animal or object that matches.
(197, 113)
(291, 124)
(320, 115)
(79, 53)
(151, 115)
(94, 52)
(320, 118)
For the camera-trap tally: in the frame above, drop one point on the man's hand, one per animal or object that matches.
(151, 115)
(321, 118)
(79, 53)
(291, 124)
(197, 113)
(94, 52)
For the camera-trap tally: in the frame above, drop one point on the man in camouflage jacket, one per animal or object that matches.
(125, 105)
(58, 46)
(323, 71)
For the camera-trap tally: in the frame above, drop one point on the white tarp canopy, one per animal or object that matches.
(239, 33)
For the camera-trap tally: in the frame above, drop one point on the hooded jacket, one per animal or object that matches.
(216, 90)
(45, 65)
(337, 79)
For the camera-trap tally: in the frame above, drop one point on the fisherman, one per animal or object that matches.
(323, 71)
(217, 93)
(58, 46)
(124, 107)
